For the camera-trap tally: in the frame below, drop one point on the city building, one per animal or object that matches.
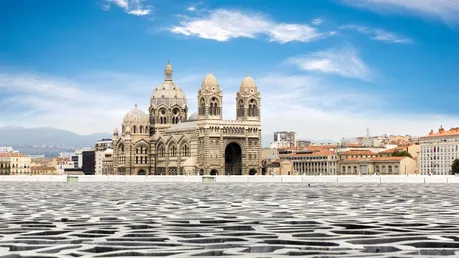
(100, 148)
(273, 165)
(43, 170)
(169, 142)
(5, 165)
(313, 160)
(60, 164)
(438, 151)
(378, 166)
(77, 157)
(89, 162)
(107, 162)
(284, 140)
(19, 163)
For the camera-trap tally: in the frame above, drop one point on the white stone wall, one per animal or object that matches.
(438, 162)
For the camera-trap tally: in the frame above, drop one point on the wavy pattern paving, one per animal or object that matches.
(258, 220)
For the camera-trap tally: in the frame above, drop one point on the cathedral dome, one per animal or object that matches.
(248, 83)
(193, 117)
(168, 93)
(135, 117)
(209, 81)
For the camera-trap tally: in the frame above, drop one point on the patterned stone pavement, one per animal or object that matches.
(43, 219)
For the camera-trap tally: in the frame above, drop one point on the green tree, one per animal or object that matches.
(403, 153)
(455, 167)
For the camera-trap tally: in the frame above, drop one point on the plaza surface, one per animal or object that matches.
(116, 219)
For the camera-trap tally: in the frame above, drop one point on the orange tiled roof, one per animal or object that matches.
(442, 132)
(42, 168)
(399, 148)
(374, 159)
(13, 155)
(358, 152)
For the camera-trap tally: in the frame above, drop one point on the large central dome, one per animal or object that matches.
(168, 93)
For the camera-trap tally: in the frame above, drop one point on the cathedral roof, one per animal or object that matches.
(193, 117)
(183, 126)
(209, 81)
(248, 82)
(168, 93)
(135, 116)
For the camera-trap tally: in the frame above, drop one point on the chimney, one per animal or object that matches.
(441, 130)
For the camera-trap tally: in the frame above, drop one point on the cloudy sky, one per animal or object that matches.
(326, 69)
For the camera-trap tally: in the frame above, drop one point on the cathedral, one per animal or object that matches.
(167, 141)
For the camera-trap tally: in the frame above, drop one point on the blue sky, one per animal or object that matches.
(325, 68)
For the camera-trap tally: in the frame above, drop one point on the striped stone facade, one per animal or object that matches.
(169, 142)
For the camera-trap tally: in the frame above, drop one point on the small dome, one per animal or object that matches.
(193, 117)
(135, 116)
(271, 157)
(248, 82)
(115, 132)
(209, 81)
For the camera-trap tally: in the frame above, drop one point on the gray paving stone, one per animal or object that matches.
(45, 219)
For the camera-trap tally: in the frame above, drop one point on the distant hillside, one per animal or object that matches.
(15, 135)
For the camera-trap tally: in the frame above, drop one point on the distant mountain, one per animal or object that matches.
(16, 135)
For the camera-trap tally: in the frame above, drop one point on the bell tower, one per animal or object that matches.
(210, 99)
(248, 101)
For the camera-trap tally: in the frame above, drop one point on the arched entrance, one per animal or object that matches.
(201, 172)
(252, 172)
(142, 173)
(233, 159)
(213, 172)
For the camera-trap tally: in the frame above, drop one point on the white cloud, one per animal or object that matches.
(134, 7)
(306, 104)
(318, 21)
(344, 62)
(379, 34)
(447, 10)
(33, 99)
(223, 25)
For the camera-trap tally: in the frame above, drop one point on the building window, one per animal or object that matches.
(253, 108)
(172, 151)
(161, 151)
(185, 151)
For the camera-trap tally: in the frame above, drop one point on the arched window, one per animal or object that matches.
(390, 169)
(253, 108)
(240, 111)
(175, 116)
(121, 148)
(214, 109)
(397, 171)
(185, 150)
(141, 129)
(136, 160)
(134, 129)
(172, 151)
(384, 169)
(202, 109)
(161, 150)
